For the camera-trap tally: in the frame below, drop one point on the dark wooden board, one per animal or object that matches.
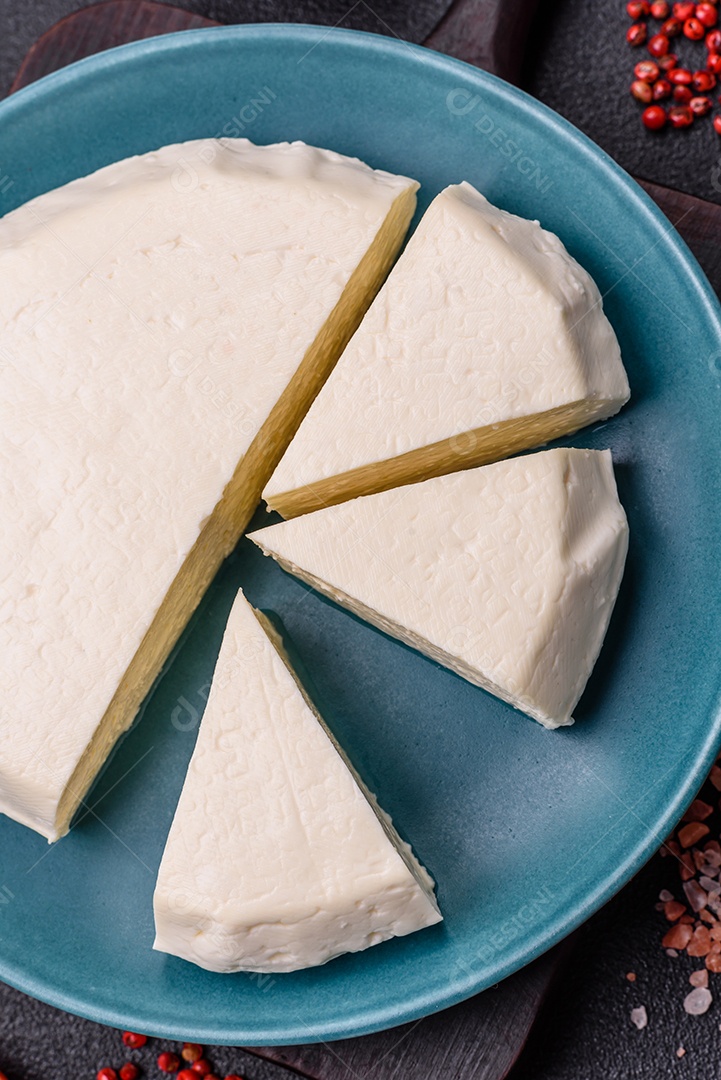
(489, 34)
(477, 1040)
(99, 27)
(699, 223)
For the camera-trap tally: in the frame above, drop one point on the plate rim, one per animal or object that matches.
(654, 834)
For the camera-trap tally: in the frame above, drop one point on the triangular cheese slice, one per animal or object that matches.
(506, 574)
(278, 858)
(487, 338)
(164, 325)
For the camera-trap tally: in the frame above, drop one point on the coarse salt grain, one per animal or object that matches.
(698, 1001)
(714, 902)
(695, 895)
(698, 858)
(631, 976)
(678, 936)
(691, 834)
(699, 978)
(680, 1052)
(639, 1017)
(664, 896)
(686, 867)
(698, 811)
(672, 953)
(700, 943)
(673, 910)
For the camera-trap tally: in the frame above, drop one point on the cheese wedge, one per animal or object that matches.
(164, 325)
(486, 339)
(505, 574)
(278, 858)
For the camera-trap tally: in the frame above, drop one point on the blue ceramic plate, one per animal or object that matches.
(526, 831)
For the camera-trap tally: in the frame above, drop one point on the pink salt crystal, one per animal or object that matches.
(698, 811)
(698, 858)
(709, 870)
(674, 910)
(639, 1017)
(715, 777)
(691, 834)
(700, 943)
(699, 978)
(659, 906)
(698, 1001)
(686, 867)
(677, 937)
(712, 853)
(664, 896)
(680, 1052)
(672, 953)
(695, 895)
(711, 887)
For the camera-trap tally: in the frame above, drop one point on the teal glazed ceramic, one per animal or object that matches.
(526, 831)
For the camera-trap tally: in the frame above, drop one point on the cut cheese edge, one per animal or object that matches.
(487, 338)
(164, 326)
(506, 574)
(278, 858)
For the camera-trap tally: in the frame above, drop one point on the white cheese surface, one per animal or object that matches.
(507, 574)
(485, 319)
(277, 859)
(151, 315)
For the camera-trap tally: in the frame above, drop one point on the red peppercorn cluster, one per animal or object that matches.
(188, 1065)
(662, 78)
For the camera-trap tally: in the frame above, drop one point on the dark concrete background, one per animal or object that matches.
(578, 63)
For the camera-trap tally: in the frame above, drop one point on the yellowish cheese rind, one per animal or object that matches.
(486, 339)
(506, 574)
(277, 858)
(164, 325)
